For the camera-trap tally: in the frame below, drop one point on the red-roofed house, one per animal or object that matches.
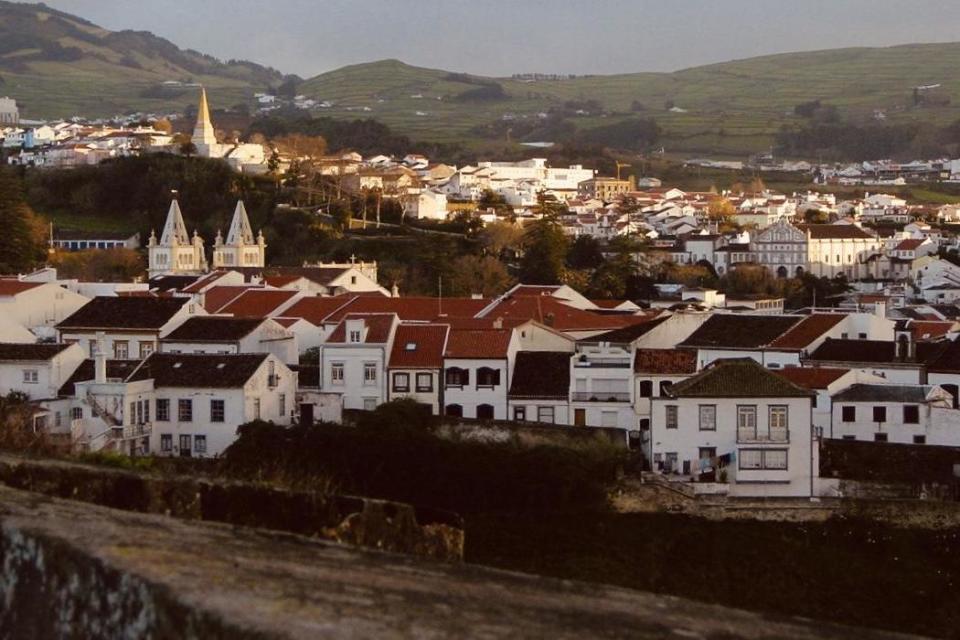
(913, 248)
(353, 360)
(477, 368)
(260, 303)
(416, 363)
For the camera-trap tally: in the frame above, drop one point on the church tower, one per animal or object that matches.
(204, 138)
(176, 253)
(241, 249)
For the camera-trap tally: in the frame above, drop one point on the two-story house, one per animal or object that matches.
(353, 360)
(477, 365)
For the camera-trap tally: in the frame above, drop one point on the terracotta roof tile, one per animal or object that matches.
(217, 297)
(812, 377)
(557, 315)
(9, 287)
(484, 344)
(258, 303)
(418, 346)
(665, 361)
(413, 308)
(315, 310)
(378, 327)
(807, 331)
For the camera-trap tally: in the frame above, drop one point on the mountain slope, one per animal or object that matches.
(57, 65)
(732, 107)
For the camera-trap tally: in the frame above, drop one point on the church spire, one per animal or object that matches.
(174, 230)
(203, 133)
(240, 232)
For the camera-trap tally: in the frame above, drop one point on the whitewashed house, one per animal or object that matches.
(905, 414)
(477, 366)
(37, 370)
(227, 334)
(353, 360)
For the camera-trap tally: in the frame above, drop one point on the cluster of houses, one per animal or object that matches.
(735, 399)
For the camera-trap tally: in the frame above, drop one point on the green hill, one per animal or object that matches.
(733, 107)
(58, 65)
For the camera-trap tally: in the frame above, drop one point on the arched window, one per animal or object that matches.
(487, 377)
(457, 377)
(454, 410)
(485, 412)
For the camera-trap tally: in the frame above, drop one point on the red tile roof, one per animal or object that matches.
(217, 297)
(802, 334)
(910, 244)
(471, 343)
(281, 281)
(377, 325)
(419, 346)
(665, 361)
(553, 313)
(14, 287)
(812, 377)
(413, 308)
(258, 303)
(316, 309)
(926, 331)
(205, 281)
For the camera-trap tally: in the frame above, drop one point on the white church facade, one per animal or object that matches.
(241, 156)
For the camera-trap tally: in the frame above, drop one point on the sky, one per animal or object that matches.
(502, 37)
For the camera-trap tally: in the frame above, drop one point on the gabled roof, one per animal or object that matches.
(316, 309)
(553, 313)
(116, 370)
(872, 351)
(258, 303)
(835, 231)
(927, 331)
(418, 346)
(11, 287)
(124, 312)
(10, 351)
(739, 331)
(378, 327)
(807, 331)
(214, 329)
(630, 333)
(413, 308)
(200, 371)
(478, 343)
(541, 374)
(910, 244)
(665, 361)
(883, 393)
(199, 283)
(737, 378)
(217, 297)
(812, 377)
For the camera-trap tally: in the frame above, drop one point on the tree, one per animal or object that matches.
(545, 252)
(107, 265)
(499, 237)
(163, 125)
(23, 234)
(483, 275)
(720, 209)
(585, 253)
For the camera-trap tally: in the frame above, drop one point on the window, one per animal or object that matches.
(665, 387)
(485, 412)
(57, 420)
(671, 416)
(849, 414)
(708, 417)
(133, 413)
(30, 376)
(646, 388)
(546, 414)
(879, 414)
(185, 410)
(163, 409)
(121, 349)
(282, 401)
(354, 336)
(454, 410)
(146, 411)
(424, 382)
(457, 377)
(369, 404)
(879, 437)
(763, 459)
(919, 439)
(76, 413)
(146, 348)
(487, 377)
(217, 411)
(911, 414)
(186, 445)
(256, 408)
(401, 382)
(520, 414)
(746, 422)
(778, 417)
(336, 373)
(862, 336)
(369, 373)
(200, 444)
(166, 442)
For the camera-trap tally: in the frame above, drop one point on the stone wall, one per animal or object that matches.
(365, 522)
(75, 570)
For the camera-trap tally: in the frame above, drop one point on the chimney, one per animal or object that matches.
(100, 360)
(395, 290)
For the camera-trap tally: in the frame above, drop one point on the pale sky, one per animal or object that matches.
(501, 37)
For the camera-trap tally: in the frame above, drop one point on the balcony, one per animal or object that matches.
(601, 396)
(751, 435)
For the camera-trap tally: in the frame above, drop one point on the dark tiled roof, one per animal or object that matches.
(214, 329)
(838, 231)
(630, 333)
(737, 378)
(201, 371)
(116, 370)
(124, 313)
(541, 374)
(171, 283)
(812, 377)
(419, 346)
(665, 361)
(740, 331)
(873, 351)
(808, 330)
(948, 360)
(15, 351)
(883, 393)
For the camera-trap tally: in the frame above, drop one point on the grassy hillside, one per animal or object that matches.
(59, 65)
(732, 108)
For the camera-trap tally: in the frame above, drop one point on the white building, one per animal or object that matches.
(353, 360)
(176, 253)
(905, 414)
(37, 370)
(241, 248)
(37, 306)
(9, 113)
(477, 368)
(229, 335)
